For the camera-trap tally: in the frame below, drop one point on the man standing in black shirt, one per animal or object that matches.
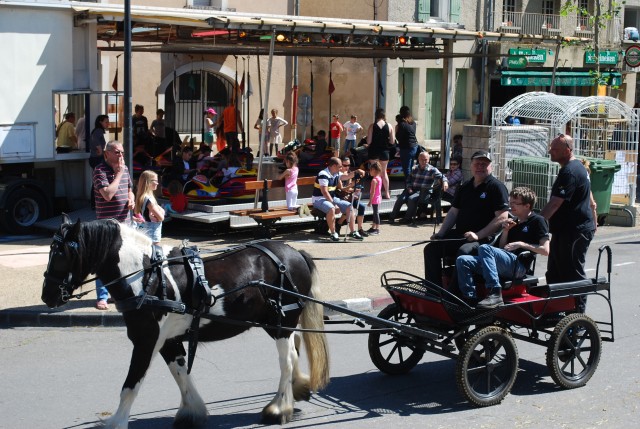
(478, 211)
(569, 214)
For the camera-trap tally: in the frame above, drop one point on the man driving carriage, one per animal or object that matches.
(479, 209)
(422, 177)
(528, 231)
(324, 199)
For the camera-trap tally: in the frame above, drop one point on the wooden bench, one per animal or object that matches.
(266, 216)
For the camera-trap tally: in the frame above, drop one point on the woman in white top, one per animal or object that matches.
(273, 124)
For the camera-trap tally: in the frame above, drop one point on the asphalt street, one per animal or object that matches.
(71, 377)
(349, 271)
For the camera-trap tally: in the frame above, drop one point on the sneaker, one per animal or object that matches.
(371, 230)
(374, 232)
(301, 211)
(306, 209)
(356, 236)
(492, 301)
(363, 233)
(334, 237)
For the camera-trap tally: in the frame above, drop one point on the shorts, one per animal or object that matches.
(153, 230)
(208, 137)
(277, 139)
(324, 206)
(336, 144)
(381, 155)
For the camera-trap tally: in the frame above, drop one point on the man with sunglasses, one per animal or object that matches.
(526, 231)
(114, 196)
(570, 216)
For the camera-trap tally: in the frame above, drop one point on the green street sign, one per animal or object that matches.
(517, 62)
(532, 55)
(606, 57)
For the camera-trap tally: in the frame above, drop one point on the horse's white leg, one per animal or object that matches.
(192, 411)
(280, 409)
(301, 389)
(143, 331)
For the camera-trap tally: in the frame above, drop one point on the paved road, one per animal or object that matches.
(22, 263)
(69, 378)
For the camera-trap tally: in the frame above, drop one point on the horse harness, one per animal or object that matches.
(201, 294)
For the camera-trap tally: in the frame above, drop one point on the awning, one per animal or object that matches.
(563, 78)
(184, 30)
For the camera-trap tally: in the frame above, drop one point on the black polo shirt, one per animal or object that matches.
(573, 186)
(477, 204)
(531, 231)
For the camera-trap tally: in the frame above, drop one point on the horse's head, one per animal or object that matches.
(59, 278)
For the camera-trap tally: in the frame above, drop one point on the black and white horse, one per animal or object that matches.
(113, 251)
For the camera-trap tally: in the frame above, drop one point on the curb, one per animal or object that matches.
(11, 318)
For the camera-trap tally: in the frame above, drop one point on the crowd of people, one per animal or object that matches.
(484, 231)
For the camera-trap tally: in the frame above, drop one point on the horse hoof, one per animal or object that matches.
(272, 415)
(187, 420)
(301, 391)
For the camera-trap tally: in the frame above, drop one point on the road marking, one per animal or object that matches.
(623, 264)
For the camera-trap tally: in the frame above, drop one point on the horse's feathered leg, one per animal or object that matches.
(280, 409)
(143, 333)
(192, 411)
(301, 386)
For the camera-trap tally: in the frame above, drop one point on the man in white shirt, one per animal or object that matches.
(352, 128)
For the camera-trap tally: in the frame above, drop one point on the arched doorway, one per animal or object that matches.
(192, 91)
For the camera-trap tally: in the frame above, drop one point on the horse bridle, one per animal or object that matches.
(65, 254)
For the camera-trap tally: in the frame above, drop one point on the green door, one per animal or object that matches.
(433, 116)
(405, 87)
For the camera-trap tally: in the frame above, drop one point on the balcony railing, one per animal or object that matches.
(556, 25)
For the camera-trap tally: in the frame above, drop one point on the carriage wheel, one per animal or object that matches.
(487, 366)
(394, 353)
(574, 351)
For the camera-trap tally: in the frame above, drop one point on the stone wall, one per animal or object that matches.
(474, 138)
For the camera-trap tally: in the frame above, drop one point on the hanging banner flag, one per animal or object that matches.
(115, 81)
(249, 92)
(331, 86)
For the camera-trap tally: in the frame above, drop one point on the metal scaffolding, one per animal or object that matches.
(602, 128)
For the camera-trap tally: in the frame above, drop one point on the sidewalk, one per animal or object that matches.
(353, 283)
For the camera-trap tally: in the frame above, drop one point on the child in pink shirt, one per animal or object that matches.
(290, 176)
(375, 196)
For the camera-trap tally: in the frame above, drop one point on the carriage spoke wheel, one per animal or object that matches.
(487, 366)
(574, 351)
(393, 353)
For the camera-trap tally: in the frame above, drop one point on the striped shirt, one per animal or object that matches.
(118, 207)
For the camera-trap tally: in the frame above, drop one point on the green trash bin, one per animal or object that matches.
(602, 172)
(536, 173)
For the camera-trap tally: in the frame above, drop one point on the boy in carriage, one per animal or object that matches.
(527, 231)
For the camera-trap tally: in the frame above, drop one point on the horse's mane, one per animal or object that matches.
(100, 238)
(96, 238)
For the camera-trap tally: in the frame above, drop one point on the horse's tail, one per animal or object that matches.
(316, 343)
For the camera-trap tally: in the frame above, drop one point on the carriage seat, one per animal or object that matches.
(577, 287)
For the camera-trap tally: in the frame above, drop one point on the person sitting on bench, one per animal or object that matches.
(422, 176)
(324, 199)
(527, 232)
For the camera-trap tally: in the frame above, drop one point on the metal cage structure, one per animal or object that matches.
(602, 128)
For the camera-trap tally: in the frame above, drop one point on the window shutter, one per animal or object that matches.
(454, 7)
(424, 7)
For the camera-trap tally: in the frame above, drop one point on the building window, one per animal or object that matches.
(548, 7)
(460, 107)
(508, 11)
